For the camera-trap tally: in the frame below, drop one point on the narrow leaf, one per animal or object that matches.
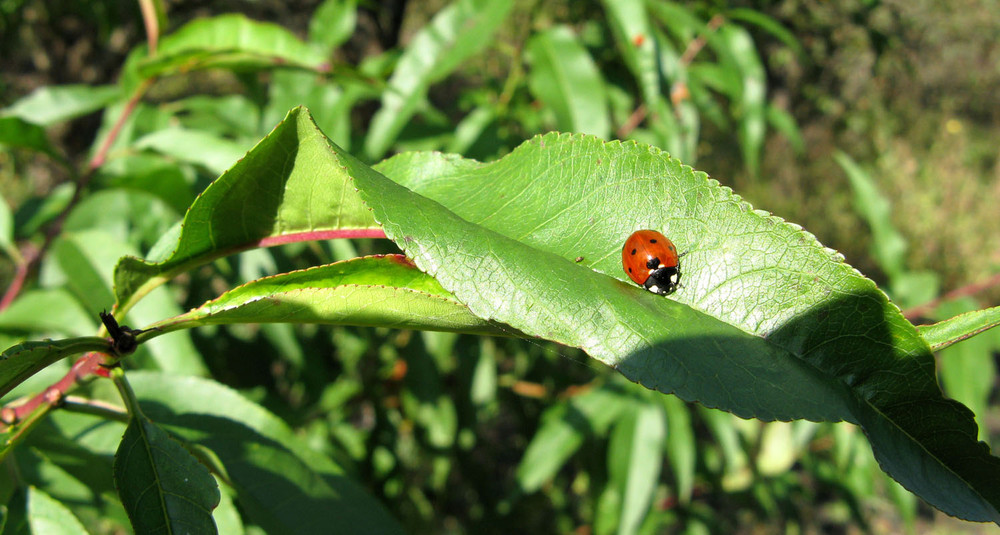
(375, 291)
(564, 428)
(47, 515)
(215, 153)
(50, 105)
(953, 330)
(230, 41)
(7, 228)
(566, 79)
(631, 28)
(681, 447)
(21, 361)
(48, 311)
(635, 458)
(456, 32)
(735, 44)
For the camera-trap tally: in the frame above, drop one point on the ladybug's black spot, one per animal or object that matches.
(634, 251)
(630, 270)
(672, 248)
(653, 263)
(652, 240)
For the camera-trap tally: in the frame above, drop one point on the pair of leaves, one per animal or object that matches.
(769, 324)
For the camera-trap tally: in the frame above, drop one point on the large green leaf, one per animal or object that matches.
(508, 251)
(288, 187)
(768, 324)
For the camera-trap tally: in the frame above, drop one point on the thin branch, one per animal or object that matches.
(88, 365)
(699, 42)
(924, 310)
(33, 256)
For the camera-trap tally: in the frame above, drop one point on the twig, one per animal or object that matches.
(33, 256)
(633, 121)
(925, 309)
(699, 42)
(87, 365)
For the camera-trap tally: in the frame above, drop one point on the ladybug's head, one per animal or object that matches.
(664, 281)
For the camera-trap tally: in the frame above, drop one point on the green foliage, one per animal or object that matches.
(398, 410)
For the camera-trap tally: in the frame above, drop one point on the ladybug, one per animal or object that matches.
(651, 261)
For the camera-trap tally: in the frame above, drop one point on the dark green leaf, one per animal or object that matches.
(282, 483)
(21, 361)
(15, 132)
(163, 487)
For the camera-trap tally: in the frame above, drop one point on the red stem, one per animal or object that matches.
(925, 309)
(87, 365)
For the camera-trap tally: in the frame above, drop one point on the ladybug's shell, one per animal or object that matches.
(645, 252)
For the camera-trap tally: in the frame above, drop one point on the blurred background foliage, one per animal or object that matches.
(874, 124)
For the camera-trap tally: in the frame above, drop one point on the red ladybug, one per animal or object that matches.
(651, 261)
